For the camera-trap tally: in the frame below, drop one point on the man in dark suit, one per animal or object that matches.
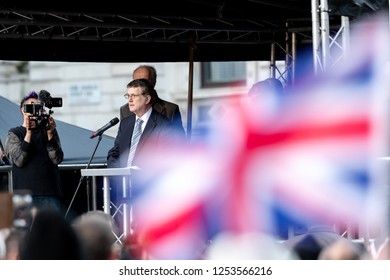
(142, 137)
(158, 132)
(166, 108)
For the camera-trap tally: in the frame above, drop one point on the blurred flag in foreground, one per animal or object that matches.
(312, 160)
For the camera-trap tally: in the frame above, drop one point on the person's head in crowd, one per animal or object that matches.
(13, 241)
(247, 246)
(266, 95)
(268, 85)
(51, 237)
(343, 249)
(147, 72)
(132, 249)
(141, 96)
(98, 232)
(308, 248)
(23, 209)
(309, 245)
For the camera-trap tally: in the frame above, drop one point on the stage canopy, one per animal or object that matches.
(161, 31)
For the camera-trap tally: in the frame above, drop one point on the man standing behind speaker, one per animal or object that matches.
(166, 108)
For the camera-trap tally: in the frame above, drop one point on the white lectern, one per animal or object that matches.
(126, 192)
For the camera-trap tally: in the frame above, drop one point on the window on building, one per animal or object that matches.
(217, 74)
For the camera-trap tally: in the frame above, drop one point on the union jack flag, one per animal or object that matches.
(314, 159)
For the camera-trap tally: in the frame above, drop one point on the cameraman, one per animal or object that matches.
(35, 152)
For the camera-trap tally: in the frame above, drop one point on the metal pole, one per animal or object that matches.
(190, 88)
(94, 196)
(294, 56)
(106, 195)
(127, 207)
(316, 35)
(272, 61)
(325, 33)
(346, 35)
(287, 62)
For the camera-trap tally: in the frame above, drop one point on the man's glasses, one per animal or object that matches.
(128, 96)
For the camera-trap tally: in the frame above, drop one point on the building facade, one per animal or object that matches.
(93, 92)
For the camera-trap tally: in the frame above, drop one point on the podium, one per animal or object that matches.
(106, 173)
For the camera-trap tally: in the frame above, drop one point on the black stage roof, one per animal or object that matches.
(160, 31)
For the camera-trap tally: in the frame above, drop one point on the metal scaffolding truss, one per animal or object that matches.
(328, 48)
(330, 45)
(61, 25)
(218, 30)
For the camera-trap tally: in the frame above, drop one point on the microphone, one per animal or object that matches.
(100, 131)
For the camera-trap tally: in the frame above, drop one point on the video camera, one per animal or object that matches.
(37, 111)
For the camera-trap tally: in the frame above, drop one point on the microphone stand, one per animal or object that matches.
(83, 177)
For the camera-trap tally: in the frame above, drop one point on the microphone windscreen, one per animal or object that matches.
(44, 96)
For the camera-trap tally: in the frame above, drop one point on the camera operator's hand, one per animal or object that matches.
(30, 124)
(52, 127)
